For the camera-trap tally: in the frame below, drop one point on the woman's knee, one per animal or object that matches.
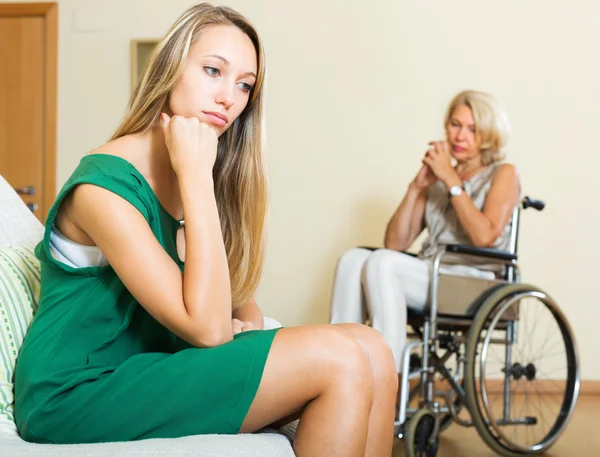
(378, 344)
(385, 371)
(382, 258)
(380, 352)
(353, 258)
(347, 358)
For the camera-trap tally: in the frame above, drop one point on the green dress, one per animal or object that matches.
(96, 367)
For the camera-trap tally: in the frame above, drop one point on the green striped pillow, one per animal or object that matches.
(19, 295)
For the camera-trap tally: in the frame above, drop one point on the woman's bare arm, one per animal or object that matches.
(485, 226)
(407, 222)
(195, 305)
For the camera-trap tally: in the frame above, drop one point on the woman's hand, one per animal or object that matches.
(424, 179)
(192, 145)
(439, 160)
(238, 326)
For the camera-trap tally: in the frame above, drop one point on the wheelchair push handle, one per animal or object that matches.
(535, 204)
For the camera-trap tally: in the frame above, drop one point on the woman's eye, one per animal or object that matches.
(212, 71)
(245, 87)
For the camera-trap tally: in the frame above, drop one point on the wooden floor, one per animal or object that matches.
(580, 439)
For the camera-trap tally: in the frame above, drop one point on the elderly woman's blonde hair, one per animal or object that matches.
(491, 122)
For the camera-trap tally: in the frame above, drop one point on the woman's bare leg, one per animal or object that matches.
(381, 422)
(324, 373)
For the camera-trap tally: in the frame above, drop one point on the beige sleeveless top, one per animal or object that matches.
(442, 221)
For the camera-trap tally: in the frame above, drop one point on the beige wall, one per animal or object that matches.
(356, 90)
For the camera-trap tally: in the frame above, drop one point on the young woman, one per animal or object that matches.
(147, 326)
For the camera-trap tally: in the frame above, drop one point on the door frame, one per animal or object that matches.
(49, 11)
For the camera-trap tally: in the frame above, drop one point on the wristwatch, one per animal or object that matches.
(455, 191)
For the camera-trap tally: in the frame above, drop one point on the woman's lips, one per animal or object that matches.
(217, 119)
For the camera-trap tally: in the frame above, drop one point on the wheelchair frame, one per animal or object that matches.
(429, 341)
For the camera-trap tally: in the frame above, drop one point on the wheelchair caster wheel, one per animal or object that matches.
(421, 435)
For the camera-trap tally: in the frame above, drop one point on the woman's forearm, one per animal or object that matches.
(407, 222)
(206, 281)
(476, 225)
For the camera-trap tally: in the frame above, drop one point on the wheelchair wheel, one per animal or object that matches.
(521, 372)
(420, 436)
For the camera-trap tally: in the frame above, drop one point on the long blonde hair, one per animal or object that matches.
(239, 172)
(491, 122)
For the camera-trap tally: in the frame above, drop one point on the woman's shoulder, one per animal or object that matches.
(505, 170)
(494, 172)
(104, 167)
(124, 147)
(110, 161)
(115, 155)
(504, 165)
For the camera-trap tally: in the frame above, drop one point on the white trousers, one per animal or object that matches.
(381, 285)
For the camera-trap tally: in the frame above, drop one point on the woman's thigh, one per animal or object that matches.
(302, 362)
(398, 273)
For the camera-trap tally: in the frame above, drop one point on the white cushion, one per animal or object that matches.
(18, 225)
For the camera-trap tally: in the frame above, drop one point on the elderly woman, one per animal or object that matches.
(463, 194)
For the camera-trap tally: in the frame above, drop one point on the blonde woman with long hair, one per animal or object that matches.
(147, 326)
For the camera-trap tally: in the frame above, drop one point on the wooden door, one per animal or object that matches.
(28, 102)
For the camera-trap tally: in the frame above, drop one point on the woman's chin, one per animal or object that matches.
(461, 155)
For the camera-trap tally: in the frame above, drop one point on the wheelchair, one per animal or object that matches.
(478, 337)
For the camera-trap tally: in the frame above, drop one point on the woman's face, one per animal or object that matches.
(465, 144)
(217, 79)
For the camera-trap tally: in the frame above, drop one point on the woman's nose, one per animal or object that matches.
(225, 96)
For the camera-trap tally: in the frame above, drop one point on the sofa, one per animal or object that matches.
(20, 231)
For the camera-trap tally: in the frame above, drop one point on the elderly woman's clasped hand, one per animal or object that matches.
(439, 161)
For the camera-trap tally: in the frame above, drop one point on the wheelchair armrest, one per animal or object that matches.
(481, 252)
